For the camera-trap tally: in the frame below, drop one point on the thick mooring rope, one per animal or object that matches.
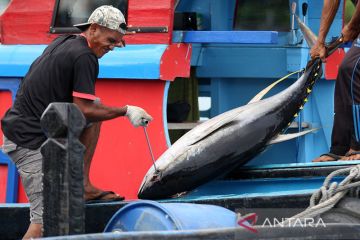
(330, 194)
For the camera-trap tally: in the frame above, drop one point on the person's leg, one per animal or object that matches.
(29, 165)
(341, 131)
(90, 138)
(34, 231)
(354, 152)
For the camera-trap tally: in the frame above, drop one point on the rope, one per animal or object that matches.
(329, 194)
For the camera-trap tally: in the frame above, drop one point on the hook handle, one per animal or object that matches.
(150, 149)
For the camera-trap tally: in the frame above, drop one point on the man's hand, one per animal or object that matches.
(137, 116)
(319, 50)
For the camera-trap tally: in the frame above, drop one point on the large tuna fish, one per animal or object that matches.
(229, 140)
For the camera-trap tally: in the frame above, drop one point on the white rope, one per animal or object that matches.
(328, 196)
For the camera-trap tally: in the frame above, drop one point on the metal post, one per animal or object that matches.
(63, 170)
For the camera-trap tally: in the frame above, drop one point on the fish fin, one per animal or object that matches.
(210, 126)
(205, 129)
(285, 137)
(261, 94)
(309, 36)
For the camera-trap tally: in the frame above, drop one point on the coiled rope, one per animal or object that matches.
(330, 193)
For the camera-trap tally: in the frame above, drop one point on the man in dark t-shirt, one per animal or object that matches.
(65, 72)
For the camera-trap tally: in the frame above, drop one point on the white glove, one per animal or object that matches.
(137, 116)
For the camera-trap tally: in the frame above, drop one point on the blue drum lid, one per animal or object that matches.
(154, 216)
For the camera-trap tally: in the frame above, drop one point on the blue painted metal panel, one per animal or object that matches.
(164, 107)
(315, 7)
(314, 16)
(12, 183)
(223, 189)
(302, 165)
(198, 48)
(243, 37)
(16, 59)
(14, 205)
(3, 159)
(243, 62)
(132, 62)
(296, 58)
(222, 14)
(334, 30)
(12, 85)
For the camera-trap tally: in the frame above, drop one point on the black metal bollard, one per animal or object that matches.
(63, 163)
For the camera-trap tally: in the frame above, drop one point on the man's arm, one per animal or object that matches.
(352, 29)
(96, 112)
(328, 14)
(327, 17)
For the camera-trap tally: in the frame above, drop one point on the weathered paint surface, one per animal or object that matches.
(28, 22)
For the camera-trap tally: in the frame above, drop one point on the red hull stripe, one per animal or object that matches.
(84, 95)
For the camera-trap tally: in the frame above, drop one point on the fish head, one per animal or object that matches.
(161, 182)
(150, 186)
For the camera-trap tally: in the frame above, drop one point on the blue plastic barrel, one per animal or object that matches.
(154, 216)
